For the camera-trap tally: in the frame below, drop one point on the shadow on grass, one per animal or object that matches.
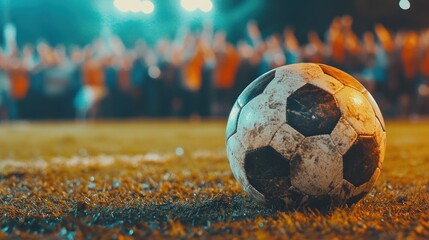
(202, 213)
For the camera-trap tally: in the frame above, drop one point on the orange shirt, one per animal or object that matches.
(226, 68)
(93, 74)
(424, 66)
(338, 51)
(408, 56)
(19, 83)
(192, 71)
(408, 63)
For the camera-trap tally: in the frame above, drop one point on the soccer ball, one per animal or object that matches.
(306, 135)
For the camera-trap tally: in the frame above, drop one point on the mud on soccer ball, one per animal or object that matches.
(306, 135)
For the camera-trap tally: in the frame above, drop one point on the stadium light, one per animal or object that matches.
(206, 6)
(121, 5)
(192, 5)
(404, 4)
(189, 5)
(147, 6)
(135, 6)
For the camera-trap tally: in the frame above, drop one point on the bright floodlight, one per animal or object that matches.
(206, 5)
(404, 4)
(135, 6)
(190, 5)
(121, 5)
(147, 6)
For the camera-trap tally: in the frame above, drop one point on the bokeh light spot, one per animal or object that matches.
(190, 5)
(135, 6)
(206, 6)
(423, 90)
(147, 7)
(121, 5)
(404, 4)
(154, 72)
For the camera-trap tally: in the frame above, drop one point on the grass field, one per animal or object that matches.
(171, 179)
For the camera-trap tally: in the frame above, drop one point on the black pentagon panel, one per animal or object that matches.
(255, 88)
(361, 160)
(231, 126)
(312, 111)
(268, 172)
(343, 77)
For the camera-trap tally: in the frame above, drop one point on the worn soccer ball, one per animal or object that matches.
(306, 135)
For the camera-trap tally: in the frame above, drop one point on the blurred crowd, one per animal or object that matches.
(201, 74)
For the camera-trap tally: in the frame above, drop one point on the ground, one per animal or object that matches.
(171, 179)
